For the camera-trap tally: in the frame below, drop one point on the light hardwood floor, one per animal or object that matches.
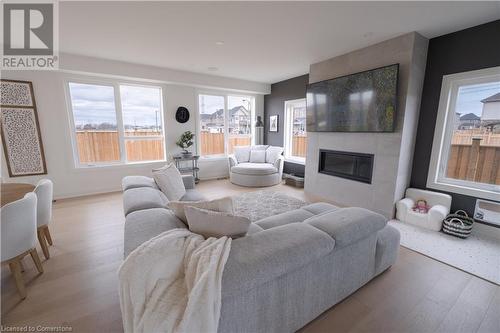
(79, 285)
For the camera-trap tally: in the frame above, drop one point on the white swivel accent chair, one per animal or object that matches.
(43, 191)
(244, 170)
(18, 237)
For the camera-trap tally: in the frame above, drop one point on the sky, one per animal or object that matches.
(209, 103)
(469, 97)
(95, 104)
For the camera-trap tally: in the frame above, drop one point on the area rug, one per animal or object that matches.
(478, 254)
(260, 204)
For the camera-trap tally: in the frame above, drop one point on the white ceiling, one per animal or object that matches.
(263, 41)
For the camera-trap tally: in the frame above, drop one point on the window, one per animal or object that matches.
(295, 130)
(142, 123)
(225, 122)
(239, 122)
(116, 124)
(466, 147)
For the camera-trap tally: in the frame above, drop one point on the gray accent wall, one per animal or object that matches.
(393, 151)
(466, 50)
(274, 104)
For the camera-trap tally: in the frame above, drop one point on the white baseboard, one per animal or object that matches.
(85, 194)
(214, 178)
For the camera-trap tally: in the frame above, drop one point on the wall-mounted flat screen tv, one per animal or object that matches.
(361, 102)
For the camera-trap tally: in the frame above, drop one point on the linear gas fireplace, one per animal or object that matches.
(354, 166)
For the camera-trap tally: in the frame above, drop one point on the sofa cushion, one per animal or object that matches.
(209, 223)
(193, 195)
(292, 216)
(258, 156)
(254, 169)
(142, 225)
(259, 147)
(129, 182)
(319, 208)
(170, 182)
(219, 205)
(242, 154)
(253, 229)
(273, 153)
(143, 198)
(387, 248)
(269, 254)
(348, 225)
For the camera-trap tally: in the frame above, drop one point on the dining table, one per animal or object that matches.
(10, 192)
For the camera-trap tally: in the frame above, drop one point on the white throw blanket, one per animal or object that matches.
(172, 283)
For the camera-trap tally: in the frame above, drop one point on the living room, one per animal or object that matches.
(323, 155)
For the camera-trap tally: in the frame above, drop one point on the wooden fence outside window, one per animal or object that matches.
(469, 159)
(103, 146)
(474, 162)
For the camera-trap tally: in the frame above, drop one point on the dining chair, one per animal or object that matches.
(43, 191)
(18, 229)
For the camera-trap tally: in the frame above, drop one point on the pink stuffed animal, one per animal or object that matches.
(421, 207)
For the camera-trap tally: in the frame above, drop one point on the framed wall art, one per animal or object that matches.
(20, 130)
(273, 123)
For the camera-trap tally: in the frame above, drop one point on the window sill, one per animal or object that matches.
(464, 190)
(84, 168)
(214, 158)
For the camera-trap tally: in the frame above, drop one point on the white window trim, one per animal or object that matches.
(443, 134)
(224, 95)
(119, 121)
(288, 128)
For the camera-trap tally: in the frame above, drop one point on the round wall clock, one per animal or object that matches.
(182, 114)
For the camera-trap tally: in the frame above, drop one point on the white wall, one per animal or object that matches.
(54, 120)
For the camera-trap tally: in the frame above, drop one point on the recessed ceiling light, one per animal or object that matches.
(212, 69)
(220, 42)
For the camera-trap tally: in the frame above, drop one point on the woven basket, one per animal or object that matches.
(458, 224)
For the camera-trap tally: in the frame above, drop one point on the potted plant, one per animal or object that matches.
(185, 141)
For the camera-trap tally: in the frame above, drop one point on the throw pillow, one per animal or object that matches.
(258, 156)
(216, 224)
(169, 180)
(219, 205)
(242, 154)
(260, 147)
(273, 153)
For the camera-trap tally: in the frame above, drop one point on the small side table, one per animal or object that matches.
(188, 164)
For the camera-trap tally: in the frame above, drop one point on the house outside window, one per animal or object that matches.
(295, 135)
(225, 122)
(113, 123)
(466, 147)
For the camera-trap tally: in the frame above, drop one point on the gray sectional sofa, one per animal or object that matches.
(141, 193)
(290, 267)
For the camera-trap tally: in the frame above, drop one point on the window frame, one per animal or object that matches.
(225, 95)
(115, 84)
(443, 132)
(288, 131)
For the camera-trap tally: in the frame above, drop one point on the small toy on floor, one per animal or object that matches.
(421, 207)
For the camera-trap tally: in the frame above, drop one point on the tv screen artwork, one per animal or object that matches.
(361, 102)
